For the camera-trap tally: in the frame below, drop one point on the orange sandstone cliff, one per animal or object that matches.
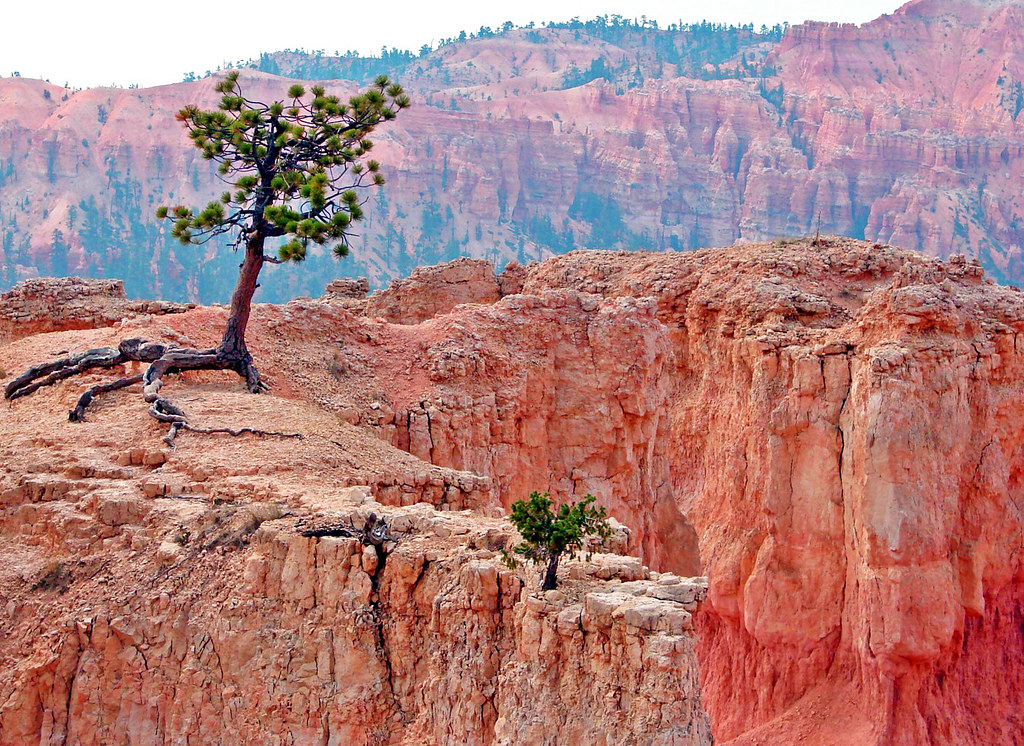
(826, 432)
(846, 441)
(153, 595)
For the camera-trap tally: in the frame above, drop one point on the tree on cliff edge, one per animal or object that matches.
(294, 169)
(547, 535)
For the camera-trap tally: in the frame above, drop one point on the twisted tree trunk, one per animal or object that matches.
(232, 353)
(551, 573)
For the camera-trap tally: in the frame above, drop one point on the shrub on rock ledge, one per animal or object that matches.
(547, 534)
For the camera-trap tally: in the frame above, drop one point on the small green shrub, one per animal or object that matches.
(54, 577)
(547, 535)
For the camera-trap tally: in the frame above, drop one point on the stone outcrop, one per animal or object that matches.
(348, 288)
(431, 291)
(560, 392)
(322, 640)
(54, 303)
(511, 279)
(833, 424)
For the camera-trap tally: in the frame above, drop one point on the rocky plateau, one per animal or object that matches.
(813, 454)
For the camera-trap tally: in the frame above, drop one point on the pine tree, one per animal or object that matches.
(296, 169)
(547, 535)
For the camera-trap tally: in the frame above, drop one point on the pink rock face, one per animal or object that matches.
(560, 392)
(430, 291)
(835, 425)
(304, 640)
(845, 438)
(906, 130)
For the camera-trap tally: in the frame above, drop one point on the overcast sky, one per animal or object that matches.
(149, 43)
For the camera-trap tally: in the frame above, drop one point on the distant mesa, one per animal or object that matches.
(530, 142)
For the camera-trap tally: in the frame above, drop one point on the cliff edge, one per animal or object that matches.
(827, 432)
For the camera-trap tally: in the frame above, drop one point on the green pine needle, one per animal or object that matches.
(299, 167)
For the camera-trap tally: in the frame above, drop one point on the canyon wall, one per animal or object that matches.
(845, 440)
(832, 425)
(555, 392)
(836, 420)
(905, 130)
(316, 640)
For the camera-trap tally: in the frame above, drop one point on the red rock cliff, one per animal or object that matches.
(844, 438)
(836, 421)
(153, 595)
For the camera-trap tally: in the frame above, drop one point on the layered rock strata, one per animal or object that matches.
(323, 640)
(430, 291)
(837, 420)
(154, 596)
(904, 130)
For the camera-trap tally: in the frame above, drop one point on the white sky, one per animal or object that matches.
(140, 41)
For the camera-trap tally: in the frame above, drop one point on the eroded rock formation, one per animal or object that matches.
(836, 421)
(319, 640)
(430, 291)
(50, 304)
(154, 595)
(846, 442)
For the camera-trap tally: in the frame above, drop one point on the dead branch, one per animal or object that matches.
(375, 531)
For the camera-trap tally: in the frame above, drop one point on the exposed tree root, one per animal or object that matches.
(135, 349)
(78, 413)
(240, 431)
(162, 360)
(165, 411)
(375, 531)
